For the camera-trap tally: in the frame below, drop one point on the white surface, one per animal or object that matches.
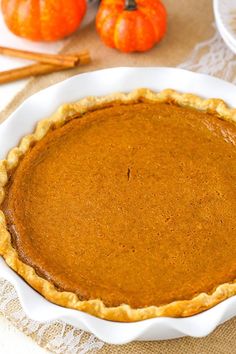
(101, 83)
(12, 341)
(225, 15)
(8, 39)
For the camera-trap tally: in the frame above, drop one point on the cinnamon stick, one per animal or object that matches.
(39, 69)
(67, 60)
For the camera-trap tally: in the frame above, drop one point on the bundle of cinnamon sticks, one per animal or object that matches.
(45, 63)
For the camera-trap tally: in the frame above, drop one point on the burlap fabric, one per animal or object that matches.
(193, 43)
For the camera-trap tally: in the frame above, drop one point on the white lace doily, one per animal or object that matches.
(57, 336)
(212, 57)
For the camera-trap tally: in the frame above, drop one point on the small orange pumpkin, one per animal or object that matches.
(131, 25)
(43, 20)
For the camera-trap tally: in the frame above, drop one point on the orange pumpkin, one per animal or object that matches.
(43, 20)
(130, 25)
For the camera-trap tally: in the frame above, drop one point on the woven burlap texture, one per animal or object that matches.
(193, 43)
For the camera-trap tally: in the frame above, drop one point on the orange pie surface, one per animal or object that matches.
(131, 204)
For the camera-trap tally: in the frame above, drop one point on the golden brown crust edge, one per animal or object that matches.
(96, 307)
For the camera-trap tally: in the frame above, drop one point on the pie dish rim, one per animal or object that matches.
(96, 307)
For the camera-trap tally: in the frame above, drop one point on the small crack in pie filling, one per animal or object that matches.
(130, 204)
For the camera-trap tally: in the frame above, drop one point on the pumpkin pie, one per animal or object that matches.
(124, 206)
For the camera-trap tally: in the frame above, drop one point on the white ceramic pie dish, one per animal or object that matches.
(103, 82)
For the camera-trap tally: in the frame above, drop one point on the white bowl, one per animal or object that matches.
(225, 15)
(227, 40)
(43, 104)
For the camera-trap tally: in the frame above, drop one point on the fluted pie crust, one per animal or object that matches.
(96, 307)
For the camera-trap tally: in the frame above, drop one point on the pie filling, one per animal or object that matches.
(131, 204)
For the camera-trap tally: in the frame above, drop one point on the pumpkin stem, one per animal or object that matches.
(130, 5)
